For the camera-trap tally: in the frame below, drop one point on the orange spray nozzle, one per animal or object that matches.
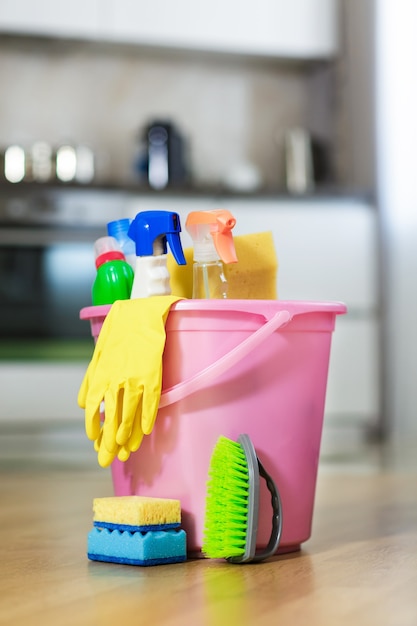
(211, 232)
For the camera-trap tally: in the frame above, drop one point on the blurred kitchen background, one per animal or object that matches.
(297, 116)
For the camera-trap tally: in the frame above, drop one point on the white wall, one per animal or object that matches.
(396, 109)
(229, 110)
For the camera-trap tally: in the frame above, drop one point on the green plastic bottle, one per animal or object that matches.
(114, 277)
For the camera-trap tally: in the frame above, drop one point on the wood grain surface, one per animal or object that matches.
(359, 567)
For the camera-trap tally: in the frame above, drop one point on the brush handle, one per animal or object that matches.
(255, 470)
(222, 365)
(276, 532)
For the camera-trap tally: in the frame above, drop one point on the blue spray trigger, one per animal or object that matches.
(164, 226)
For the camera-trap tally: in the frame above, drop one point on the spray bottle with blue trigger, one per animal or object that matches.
(211, 232)
(152, 231)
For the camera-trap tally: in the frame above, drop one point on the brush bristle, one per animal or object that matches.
(226, 516)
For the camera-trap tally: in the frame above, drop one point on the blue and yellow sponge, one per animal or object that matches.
(137, 530)
(136, 513)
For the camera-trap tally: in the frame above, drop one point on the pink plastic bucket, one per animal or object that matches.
(230, 367)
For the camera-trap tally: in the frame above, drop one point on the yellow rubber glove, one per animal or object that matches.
(126, 373)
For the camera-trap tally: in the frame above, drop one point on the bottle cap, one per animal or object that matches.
(107, 249)
(118, 227)
(119, 230)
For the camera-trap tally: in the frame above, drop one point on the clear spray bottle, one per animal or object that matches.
(152, 231)
(211, 232)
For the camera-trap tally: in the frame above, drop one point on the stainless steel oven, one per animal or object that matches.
(46, 271)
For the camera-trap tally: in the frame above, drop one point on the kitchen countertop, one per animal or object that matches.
(360, 566)
(320, 192)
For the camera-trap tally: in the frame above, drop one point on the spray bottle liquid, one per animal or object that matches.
(114, 277)
(152, 231)
(211, 232)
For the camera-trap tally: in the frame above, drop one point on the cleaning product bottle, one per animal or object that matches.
(119, 229)
(151, 231)
(114, 277)
(211, 232)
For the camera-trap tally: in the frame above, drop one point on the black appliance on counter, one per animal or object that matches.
(165, 155)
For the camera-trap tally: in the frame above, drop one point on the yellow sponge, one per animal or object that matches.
(253, 277)
(136, 512)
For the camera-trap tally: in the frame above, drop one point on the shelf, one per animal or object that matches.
(132, 188)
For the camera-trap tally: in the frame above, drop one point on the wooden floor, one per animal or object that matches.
(359, 567)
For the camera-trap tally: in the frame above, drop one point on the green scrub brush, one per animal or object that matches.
(232, 503)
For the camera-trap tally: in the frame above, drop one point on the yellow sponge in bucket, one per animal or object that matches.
(253, 277)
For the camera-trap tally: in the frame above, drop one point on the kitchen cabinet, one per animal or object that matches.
(36, 392)
(78, 18)
(301, 29)
(327, 249)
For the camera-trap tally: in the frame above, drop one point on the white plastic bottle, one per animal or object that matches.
(151, 231)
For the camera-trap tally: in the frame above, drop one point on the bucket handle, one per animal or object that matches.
(201, 379)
